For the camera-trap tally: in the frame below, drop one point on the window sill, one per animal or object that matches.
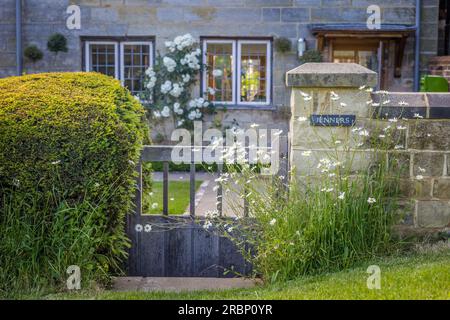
(268, 107)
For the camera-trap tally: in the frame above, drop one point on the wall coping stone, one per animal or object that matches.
(331, 75)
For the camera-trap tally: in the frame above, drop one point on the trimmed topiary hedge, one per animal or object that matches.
(68, 147)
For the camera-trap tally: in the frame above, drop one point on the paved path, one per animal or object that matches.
(174, 284)
(205, 197)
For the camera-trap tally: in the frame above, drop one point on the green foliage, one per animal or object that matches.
(311, 56)
(33, 53)
(56, 43)
(282, 45)
(68, 147)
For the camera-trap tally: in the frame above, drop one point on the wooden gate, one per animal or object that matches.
(178, 246)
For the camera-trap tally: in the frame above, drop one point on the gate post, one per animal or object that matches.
(315, 87)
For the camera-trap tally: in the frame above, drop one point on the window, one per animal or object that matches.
(126, 61)
(239, 71)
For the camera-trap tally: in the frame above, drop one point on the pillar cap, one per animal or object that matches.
(331, 75)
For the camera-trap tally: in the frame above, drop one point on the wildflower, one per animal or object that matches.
(417, 116)
(382, 136)
(306, 153)
(329, 190)
(138, 228)
(341, 195)
(154, 205)
(371, 200)
(403, 103)
(393, 120)
(331, 175)
(422, 169)
(207, 225)
(230, 229)
(364, 133)
(56, 162)
(272, 222)
(96, 184)
(334, 96)
(147, 228)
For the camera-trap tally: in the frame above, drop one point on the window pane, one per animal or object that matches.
(136, 61)
(344, 56)
(219, 56)
(253, 72)
(103, 58)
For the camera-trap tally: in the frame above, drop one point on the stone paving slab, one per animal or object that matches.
(179, 284)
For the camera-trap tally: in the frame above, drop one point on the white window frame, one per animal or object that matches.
(122, 59)
(236, 79)
(233, 60)
(88, 55)
(268, 72)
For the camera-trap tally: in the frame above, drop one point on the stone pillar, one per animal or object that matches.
(320, 81)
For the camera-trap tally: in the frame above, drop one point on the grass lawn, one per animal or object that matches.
(178, 196)
(425, 276)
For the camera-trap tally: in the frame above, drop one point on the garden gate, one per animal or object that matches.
(178, 246)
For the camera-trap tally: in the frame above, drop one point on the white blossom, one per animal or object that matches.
(371, 200)
(170, 64)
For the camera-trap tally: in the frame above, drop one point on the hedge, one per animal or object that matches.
(68, 147)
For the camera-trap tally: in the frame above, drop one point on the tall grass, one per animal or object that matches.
(42, 234)
(328, 218)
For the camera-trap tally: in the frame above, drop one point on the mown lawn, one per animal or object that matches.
(406, 277)
(178, 196)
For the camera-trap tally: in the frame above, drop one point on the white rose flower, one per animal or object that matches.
(166, 87)
(176, 90)
(170, 64)
(192, 104)
(191, 115)
(186, 78)
(177, 109)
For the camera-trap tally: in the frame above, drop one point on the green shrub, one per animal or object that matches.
(57, 42)
(33, 53)
(68, 147)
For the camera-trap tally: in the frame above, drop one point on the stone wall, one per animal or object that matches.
(423, 145)
(440, 66)
(168, 18)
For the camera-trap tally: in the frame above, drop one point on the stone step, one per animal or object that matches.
(179, 284)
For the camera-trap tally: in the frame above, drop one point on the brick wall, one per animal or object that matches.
(440, 66)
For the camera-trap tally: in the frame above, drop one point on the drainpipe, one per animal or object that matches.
(19, 37)
(417, 48)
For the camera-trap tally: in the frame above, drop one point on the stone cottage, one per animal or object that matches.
(122, 37)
